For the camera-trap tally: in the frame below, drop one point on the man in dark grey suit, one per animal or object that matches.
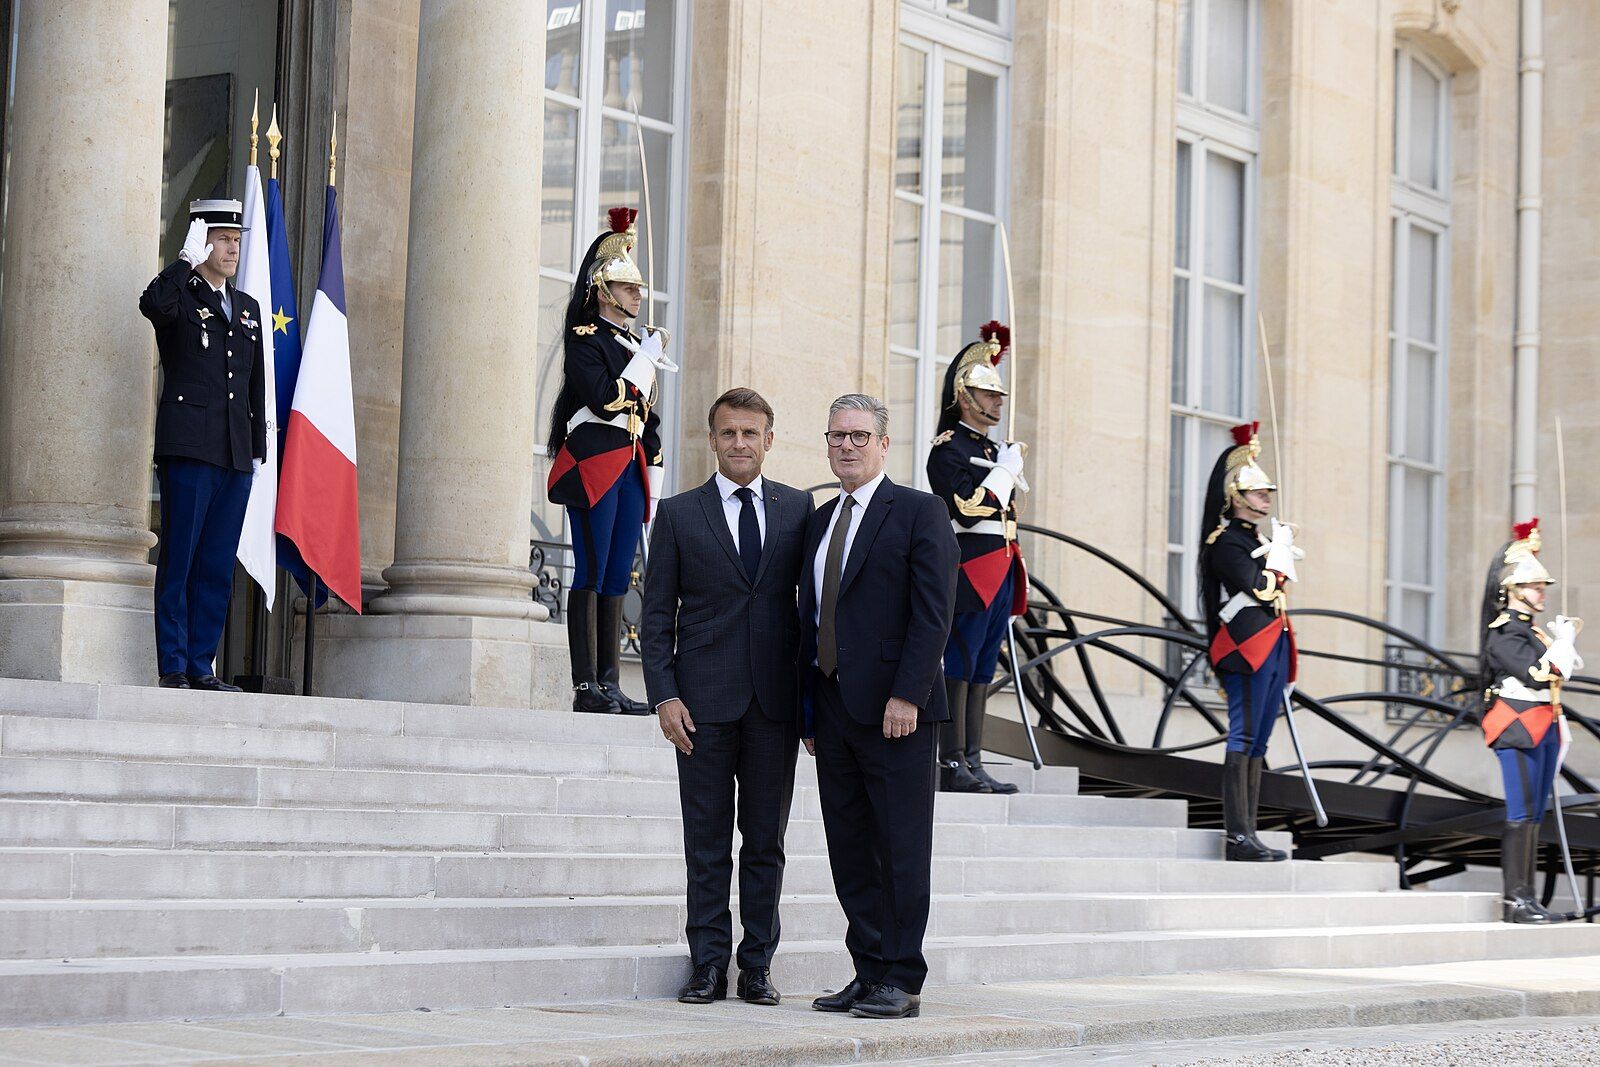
(720, 639)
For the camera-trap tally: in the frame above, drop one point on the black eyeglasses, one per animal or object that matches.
(859, 438)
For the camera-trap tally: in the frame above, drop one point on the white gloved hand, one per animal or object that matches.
(641, 372)
(1562, 656)
(1010, 458)
(196, 249)
(1564, 628)
(1001, 482)
(655, 478)
(653, 347)
(1280, 551)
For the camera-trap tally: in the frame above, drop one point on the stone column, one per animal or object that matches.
(76, 360)
(457, 624)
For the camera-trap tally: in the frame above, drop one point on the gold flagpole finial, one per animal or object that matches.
(255, 121)
(333, 147)
(274, 135)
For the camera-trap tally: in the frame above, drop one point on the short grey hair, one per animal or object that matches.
(862, 402)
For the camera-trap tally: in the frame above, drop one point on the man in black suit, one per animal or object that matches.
(876, 594)
(720, 637)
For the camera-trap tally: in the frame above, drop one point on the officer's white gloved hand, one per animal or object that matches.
(1280, 551)
(1562, 655)
(1010, 458)
(655, 478)
(1564, 628)
(640, 372)
(196, 249)
(653, 348)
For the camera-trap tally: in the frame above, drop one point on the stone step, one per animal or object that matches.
(80, 992)
(183, 873)
(109, 929)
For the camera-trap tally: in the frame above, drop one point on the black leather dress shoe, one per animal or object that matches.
(588, 697)
(708, 983)
(887, 1002)
(846, 998)
(626, 705)
(212, 683)
(175, 680)
(755, 987)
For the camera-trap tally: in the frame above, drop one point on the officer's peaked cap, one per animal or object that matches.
(225, 214)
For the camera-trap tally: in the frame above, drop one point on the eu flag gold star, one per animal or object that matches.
(280, 322)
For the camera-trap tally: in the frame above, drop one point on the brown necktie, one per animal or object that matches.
(832, 572)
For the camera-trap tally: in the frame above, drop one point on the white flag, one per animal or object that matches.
(257, 543)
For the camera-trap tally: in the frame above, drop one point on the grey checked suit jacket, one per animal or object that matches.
(709, 636)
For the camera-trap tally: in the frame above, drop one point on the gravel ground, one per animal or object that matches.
(1567, 1047)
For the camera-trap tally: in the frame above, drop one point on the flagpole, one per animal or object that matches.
(260, 616)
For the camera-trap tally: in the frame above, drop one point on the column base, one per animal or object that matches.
(68, 630)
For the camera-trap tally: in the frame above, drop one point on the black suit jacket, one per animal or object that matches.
(213, 376)
(709, 636)
(896, 599)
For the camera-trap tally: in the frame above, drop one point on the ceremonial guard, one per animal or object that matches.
(977, 479)
(1522, 667)
(210, 437)
(1243, 577)
(605, 444)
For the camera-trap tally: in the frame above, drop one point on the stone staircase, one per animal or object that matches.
(171, 854)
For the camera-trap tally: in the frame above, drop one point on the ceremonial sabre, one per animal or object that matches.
(649, 233)
(1277, 459)
(1561, 724)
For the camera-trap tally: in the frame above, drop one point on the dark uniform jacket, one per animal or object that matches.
(986, 558)
(595, 454)
(710, 636)
(213, 378)
(1241, 643)
(1512, 648)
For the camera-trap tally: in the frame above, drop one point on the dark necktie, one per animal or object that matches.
(832, 572)
(749, 532)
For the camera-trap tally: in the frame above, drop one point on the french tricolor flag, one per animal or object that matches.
(317, 497)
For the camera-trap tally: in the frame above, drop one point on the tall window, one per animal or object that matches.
(949, 195)
(603, 59)
(1417, 344)
(1214, 260)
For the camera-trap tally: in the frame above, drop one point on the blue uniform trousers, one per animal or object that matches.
(1528, 774)
(606, 536)
(202, 513)
(974, 646)
(1254, 701)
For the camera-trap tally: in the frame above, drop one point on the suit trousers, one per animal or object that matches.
(758, 754)
(202, 513)
(877, 811)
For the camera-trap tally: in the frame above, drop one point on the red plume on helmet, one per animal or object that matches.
(994, 330)
(1522, 529)
(1243, 432)
(622, 218)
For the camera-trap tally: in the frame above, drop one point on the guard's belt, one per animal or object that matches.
(1512, 688)
(621, 422)
(1237, 603)
(985, 526)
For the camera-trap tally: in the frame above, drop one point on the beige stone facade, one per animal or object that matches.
(784, 183)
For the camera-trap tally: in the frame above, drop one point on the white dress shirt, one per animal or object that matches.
(863, 498)
(732, 505)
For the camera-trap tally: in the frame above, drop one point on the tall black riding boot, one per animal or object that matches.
(954, 777)
(608, 646)
(977, 708)
(1235, 800)
(1516, 845)
(1532, 873)
(586, 693)
(1253, 807)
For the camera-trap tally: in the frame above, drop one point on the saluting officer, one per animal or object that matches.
(605, 444)
(1522, 667)
(210, 437)
(1243, 576)
(977, 478)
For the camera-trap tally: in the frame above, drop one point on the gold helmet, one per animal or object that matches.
(613, 253)
(1520, 562)
(977, 366)
(1243, 472)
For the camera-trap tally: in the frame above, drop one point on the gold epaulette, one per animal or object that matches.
(586, 329)
(1500, 620)
(942, 438)
(973, 507)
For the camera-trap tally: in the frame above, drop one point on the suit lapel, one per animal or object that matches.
(773, 518)
(208, 297)
(870, 522)
(711, 503)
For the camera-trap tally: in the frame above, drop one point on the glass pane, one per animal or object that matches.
(1180, 340)
(1186, 47)
(1175, 571)
(1416, 612)
(1180, 196)
(556, 206)
(562, 30)
(1421, 312)
(639, 56)
(1222, 357)
(1224, 225)
(987, 10)
(1422, 154)
(1418, 432)
(902, 400)
(909, 98)
(1228, 54)
(1214, 440)
(905, 274)
(970, 120)
(1176, 474)
(1416, 516)
(620, 186)
(966, 281)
